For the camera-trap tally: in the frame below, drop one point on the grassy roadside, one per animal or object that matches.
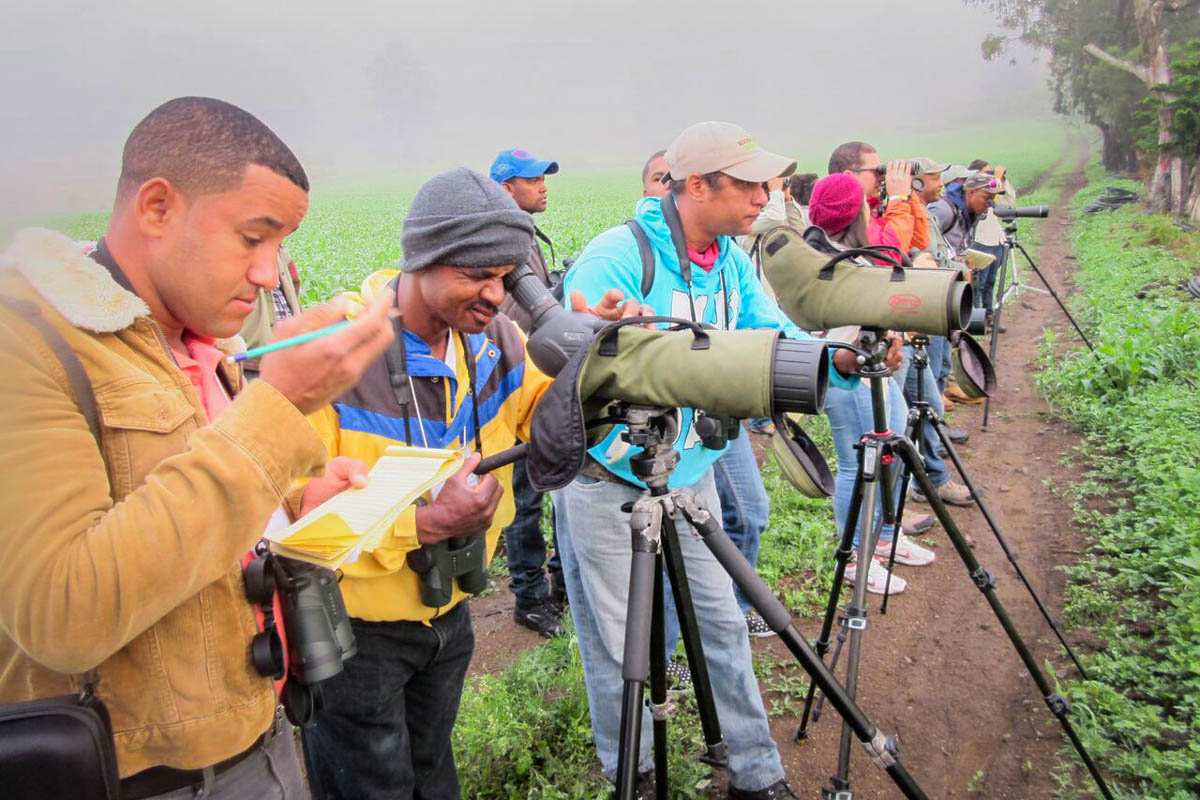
(1135, 595)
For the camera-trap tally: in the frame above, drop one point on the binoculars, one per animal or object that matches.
(881, 169)
(319, 637)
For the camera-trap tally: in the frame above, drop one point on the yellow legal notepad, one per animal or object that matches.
(357, 520)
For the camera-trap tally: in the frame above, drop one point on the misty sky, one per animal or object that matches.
(412, 87)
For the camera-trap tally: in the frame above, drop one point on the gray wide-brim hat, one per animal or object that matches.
(799, 458)
(972, 368)
(464, 219)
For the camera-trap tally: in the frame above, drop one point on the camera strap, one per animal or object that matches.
(675, 227)
(553, 259)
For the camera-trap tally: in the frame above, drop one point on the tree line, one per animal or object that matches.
(1132, 69)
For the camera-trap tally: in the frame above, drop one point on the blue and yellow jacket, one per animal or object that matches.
(365, 421)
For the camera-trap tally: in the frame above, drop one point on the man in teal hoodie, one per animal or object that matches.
(716, 176)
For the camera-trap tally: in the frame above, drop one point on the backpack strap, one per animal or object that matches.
(647, 254)
(81, 385)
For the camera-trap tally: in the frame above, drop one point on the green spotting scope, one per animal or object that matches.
(819, 292)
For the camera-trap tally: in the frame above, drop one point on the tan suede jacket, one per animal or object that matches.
(125, 558)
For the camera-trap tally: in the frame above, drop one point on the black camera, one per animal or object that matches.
(1021, 212)
(319, 636)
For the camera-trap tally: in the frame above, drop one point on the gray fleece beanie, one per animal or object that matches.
(466, 219)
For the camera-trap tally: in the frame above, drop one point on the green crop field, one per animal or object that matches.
(353, 227)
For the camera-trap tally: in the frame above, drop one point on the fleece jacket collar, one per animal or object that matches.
(75, 286)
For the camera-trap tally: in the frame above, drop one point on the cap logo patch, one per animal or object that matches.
(521, 154)
(747, 143)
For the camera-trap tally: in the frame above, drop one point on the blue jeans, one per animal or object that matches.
(935, 465)
(596, 557)
(939, 361)
(850, 416)
(744, 511)
(987, 278)
(525, 545)
(385, 729)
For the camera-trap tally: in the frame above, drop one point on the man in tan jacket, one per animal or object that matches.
(122, 549)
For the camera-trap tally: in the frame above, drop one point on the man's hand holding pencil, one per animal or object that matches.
(313, 371)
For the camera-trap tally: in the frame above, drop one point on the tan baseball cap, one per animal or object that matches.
(929, 166)
(723, 147)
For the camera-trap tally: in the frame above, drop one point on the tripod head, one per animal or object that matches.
(654, 429)
(872, 349)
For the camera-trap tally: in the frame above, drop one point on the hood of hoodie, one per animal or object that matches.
(956, 195)
(648, 212)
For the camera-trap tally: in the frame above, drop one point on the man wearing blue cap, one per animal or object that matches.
(539, 603)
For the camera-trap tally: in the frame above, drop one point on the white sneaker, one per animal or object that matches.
(908, 552)
(877, 578)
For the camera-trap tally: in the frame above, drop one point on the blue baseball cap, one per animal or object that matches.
(519, 164)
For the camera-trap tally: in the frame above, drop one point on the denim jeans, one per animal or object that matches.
(935, 465)
(987, 278)
(271, 773)
(744, 511)
(850, 416)
(385, 729)
(744, 503)
(525, 545)
(596, 557)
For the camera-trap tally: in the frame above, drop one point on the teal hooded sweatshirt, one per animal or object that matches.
(729, 297)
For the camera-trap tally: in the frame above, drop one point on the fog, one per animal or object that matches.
(361, 88)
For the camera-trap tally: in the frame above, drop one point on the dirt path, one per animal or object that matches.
(938, 669)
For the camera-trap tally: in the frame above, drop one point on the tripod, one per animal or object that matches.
(921, 414)
(655, 541)
(1012, 241)
(877, 452)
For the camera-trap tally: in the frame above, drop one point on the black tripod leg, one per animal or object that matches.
(998, 306)
(1057, 299)
(1008, 551)
(658, 685)
(689, 631)
(842, 557)
(645, 525)
(986, 582)
(879, 746)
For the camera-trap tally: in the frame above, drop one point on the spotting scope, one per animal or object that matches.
(735, 373)
(1021, 212)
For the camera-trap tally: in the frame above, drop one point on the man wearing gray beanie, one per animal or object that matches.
(455, 377)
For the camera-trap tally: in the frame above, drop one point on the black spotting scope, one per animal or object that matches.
(1021, 212)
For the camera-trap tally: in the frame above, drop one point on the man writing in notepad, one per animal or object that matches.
(124, 529)
(454, 377)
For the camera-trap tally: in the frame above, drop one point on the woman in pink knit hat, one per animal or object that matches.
(837, 206)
